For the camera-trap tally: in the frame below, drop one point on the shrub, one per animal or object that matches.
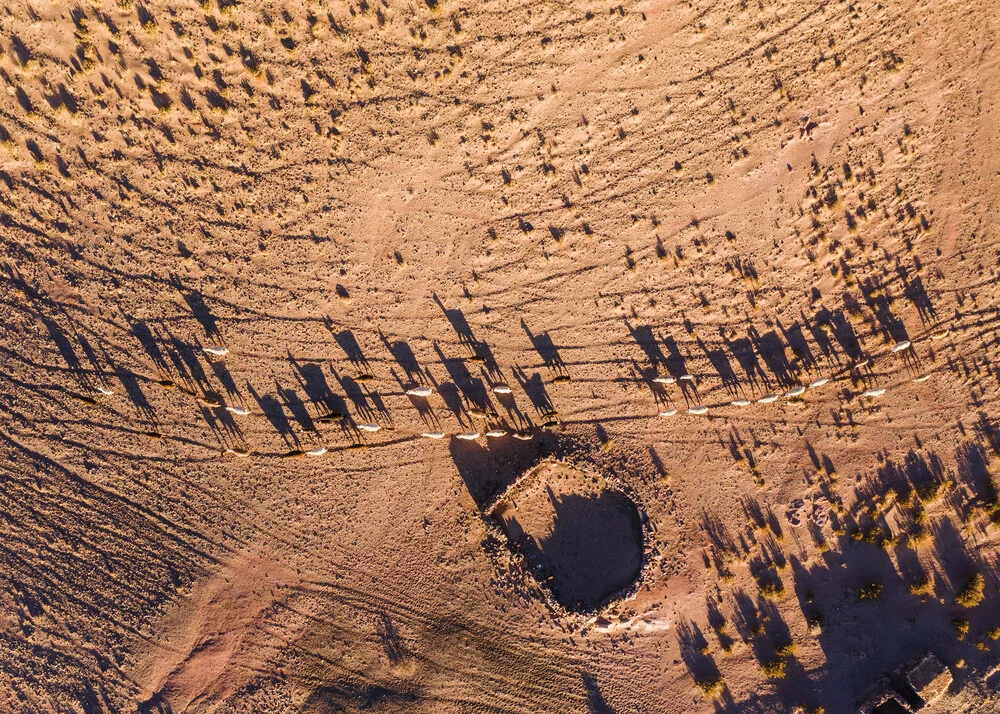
(921, 586)
(785, 650)
(712, 685)
(816, 621)
(919, 536)
(972, 594)
(772, 591)
(961, 627)
(775, 669)
(870, 592)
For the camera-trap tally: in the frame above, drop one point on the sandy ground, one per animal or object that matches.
(573, 199)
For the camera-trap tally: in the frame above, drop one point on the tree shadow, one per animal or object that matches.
(701, 665)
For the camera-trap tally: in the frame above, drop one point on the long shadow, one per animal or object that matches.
(406, 360)
(186, 363)
(547, 350)
(891, 327)
(701, 665)
(915, 292)
(648, 375)
(199, 309)
(313, 383)
(796, 339)
(742, 349)
(772, 351)
(460, 325)
(821, 338)
(275, 413)
(644, 337)
(472, 388)
(295, 406)
(720, 362)
(356, 394)
(66, 350)
(843, 332)
(349, 344)
(674, 360)
(225, 377)
(534, 387)
(451, 395)
(596, 703)
(141, 331)
(133, 390)
(488, 470)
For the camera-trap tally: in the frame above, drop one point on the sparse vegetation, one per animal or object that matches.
(251, 176)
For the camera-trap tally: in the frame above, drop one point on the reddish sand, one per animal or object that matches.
(345, 201)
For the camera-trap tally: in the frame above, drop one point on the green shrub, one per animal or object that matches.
(961, 627)
(972, 594)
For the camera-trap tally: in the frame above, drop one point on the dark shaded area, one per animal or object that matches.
(596, 703)
(275, 413)
(534, 388)
(356, 696)
(199, 308)
(349, 344)
(487, 470)
(594, 548)
(890, 707)
(546, 349)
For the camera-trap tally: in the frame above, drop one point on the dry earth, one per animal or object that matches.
(356, 198)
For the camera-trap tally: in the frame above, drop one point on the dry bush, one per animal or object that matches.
(870, 592)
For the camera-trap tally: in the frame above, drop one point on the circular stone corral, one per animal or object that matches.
(580, 537)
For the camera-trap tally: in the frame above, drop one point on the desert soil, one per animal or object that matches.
(347, 200)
